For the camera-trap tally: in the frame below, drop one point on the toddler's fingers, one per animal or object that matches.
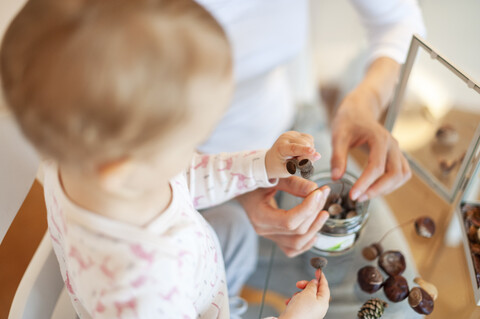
(323, 290)
(312, 287)
(318, 274)
(287, 150)
(301, 284)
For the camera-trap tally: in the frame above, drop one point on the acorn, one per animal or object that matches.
(473, 234)
(420, 301)
(291, 166)
(318, 262)
(425, 227)
(335, 209)
(475, 218)
(446, 135)
(372, 309)
(369, 279)
(351, 214)
(306, 168)
(392, 262)
(373, 251)
(395, 288)
(428, 287)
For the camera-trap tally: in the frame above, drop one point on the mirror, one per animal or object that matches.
(435, 117)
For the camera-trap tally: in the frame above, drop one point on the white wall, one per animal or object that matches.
(339, 40)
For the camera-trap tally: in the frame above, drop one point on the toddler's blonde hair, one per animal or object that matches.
(95, 81)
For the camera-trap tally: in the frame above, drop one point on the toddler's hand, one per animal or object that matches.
(288, 145)
(311, 302)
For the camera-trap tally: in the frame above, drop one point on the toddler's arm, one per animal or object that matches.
(213, 179)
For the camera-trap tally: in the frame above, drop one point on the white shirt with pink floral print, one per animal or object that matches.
(170, 268)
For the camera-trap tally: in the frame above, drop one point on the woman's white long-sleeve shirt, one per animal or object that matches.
(265, 35)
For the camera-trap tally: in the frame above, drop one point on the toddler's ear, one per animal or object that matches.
(113, 175)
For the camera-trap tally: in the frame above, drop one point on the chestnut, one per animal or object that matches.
(392, 262)
(428, 287)
(420, 301)
(369, 279)
(446, 135)
(475, 218)
(395, 288)
(425, 227)
(472, 234)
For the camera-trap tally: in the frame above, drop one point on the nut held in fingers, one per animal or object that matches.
(318, 262)
(306, 168)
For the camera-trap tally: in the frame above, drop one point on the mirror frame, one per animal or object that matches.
(472, 154)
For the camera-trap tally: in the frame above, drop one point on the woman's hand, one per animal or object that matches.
(356, 123)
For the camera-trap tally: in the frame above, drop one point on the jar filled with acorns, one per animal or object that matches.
(347, 217)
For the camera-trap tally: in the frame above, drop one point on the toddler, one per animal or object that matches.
(117, 95)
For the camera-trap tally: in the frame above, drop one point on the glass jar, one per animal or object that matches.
(338, 236)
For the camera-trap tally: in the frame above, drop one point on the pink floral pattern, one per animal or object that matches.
(174, 269)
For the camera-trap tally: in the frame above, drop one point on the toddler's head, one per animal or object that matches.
(96, 82)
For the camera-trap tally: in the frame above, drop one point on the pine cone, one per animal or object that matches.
(372, 309)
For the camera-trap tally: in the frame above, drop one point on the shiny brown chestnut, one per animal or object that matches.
(425, 227)
(420, 301)
(395, 288)
(392, 262)
(427, 286)
(369, 279)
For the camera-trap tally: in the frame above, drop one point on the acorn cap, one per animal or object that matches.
(318, 262)
(370, 253)
(373, 251)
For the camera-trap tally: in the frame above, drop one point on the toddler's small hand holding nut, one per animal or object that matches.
(290, 148)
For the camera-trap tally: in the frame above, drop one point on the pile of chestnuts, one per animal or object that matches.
(395, 286)
(392, 263)
(340, 205)
(471, 218)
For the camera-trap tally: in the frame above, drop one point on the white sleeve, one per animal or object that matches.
(214, 179)
(390, 25)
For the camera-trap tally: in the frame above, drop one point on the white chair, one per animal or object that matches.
(41, 293)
